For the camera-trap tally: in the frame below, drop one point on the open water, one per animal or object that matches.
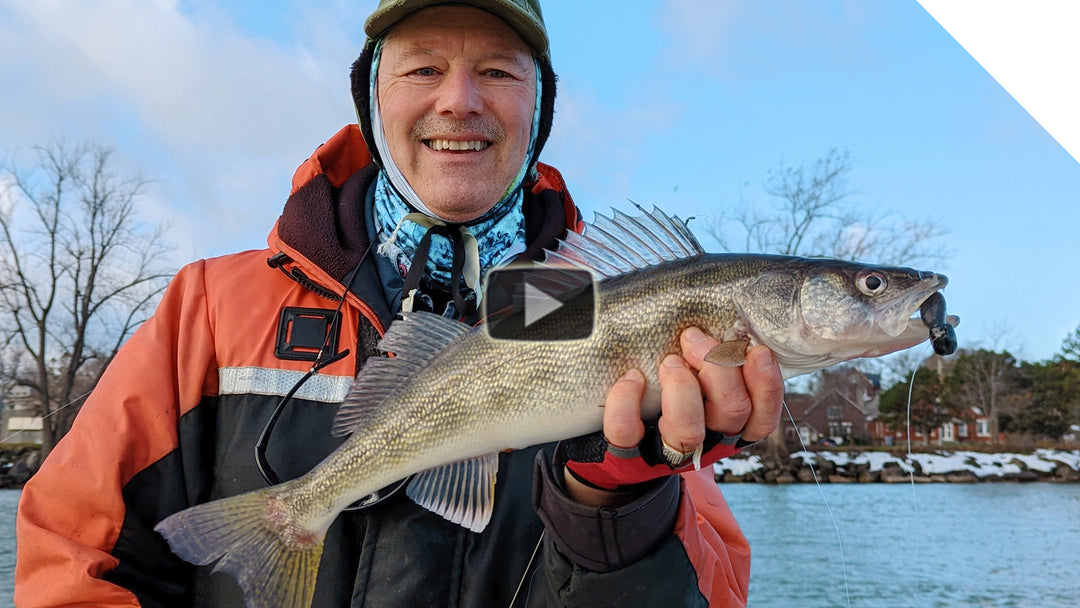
(929, 545)
(9, 501)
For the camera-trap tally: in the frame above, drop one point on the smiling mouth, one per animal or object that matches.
(440, 145)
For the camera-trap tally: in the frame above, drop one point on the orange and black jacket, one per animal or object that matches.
(175, 418)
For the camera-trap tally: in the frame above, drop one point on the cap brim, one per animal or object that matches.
(524, 24)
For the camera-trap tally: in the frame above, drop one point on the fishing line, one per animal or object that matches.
(828, 507)
(52, 413)
(911, 467)
(907, 432)
(528, 567)
(266, 470)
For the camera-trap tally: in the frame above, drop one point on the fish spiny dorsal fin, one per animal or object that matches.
(462, 492)
(624, 243)
(671, 233)
(414, 340)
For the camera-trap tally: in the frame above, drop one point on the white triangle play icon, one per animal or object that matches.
(538, 304)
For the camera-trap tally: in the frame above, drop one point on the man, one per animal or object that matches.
(455, 103)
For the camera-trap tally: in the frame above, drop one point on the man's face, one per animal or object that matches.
(456, 88)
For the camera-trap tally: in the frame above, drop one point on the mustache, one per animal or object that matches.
(431, 127)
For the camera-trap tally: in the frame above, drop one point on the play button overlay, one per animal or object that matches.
(539, 304)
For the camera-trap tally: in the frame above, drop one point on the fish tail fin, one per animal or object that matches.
(275, 562)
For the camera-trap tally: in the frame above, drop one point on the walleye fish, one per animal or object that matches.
(453, 397)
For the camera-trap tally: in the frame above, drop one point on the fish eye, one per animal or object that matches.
(872, 283)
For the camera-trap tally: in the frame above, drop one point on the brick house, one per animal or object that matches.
(973, 427)
(840, 409)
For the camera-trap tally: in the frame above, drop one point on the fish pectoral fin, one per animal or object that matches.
(730, 353)
(461, 492)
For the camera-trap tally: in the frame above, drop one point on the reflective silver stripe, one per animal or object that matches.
(267, 381)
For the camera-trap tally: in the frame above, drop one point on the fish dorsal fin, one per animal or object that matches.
(462, 492)
(414, 340)
(623, 243)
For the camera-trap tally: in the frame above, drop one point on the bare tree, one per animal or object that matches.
(78, 273)
(987, 380)
(811, 213)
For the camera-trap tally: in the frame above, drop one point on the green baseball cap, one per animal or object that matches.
(522, 15)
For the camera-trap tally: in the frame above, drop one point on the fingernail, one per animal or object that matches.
(673, 361)
(634, 375)
(693, 334)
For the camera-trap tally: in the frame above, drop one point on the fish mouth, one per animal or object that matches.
(916, 317)
(896, 317)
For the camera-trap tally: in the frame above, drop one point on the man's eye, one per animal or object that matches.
(494, 73)
(425, 72)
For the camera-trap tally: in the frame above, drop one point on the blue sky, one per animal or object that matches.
(682, 104)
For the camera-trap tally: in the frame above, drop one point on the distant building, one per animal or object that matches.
(19, 421)
(840, 410)
(804, 433)
(973, 427)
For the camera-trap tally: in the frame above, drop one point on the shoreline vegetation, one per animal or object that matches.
(927, 465)
(830, 465)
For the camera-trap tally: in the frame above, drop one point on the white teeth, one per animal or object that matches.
(449, 144)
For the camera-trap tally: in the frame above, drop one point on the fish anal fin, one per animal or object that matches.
(462, 492)
(729, 353)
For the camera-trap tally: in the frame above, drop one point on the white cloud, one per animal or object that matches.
(216, 117)
(192, 82)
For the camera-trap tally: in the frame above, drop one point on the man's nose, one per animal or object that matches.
(459, 95)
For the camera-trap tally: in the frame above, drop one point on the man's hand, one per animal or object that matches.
(696, 397)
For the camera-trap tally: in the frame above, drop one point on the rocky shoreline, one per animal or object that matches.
(17, 464)
(943, 466)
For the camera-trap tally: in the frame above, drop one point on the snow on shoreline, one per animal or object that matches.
(944, 462)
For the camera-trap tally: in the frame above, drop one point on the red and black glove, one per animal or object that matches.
(596, 463)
